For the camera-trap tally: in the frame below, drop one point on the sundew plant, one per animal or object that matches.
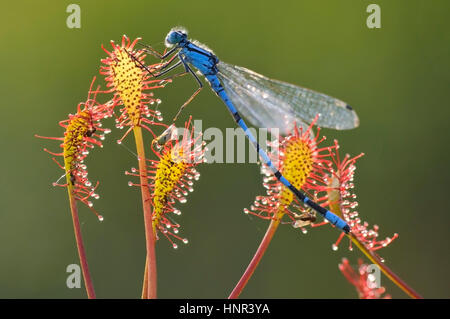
(169, 159)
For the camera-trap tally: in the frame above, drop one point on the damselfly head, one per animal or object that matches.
(175, 36)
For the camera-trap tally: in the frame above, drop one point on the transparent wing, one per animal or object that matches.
(271, 103)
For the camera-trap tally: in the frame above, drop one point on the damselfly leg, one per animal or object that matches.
(187, 70)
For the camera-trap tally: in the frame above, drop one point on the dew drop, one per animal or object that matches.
(119, 142)
(100, 218)
(90, 204)
(175, 246)
(334, 247)
(185, 240)
(130, 183)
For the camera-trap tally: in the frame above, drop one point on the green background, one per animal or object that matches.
(396, 78)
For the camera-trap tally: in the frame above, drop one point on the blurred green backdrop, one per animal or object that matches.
(396, 77)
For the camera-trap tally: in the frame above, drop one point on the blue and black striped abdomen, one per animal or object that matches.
(220, 91)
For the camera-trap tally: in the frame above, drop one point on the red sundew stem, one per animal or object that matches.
(150, 278)
(373, 257)
(385, 269)
(256, 259)
(144, 294)
(79, 239)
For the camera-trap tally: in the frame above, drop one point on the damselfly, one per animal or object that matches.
(264, 102)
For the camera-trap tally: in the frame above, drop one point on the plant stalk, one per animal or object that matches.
(150, 279)
(79, 240)
(144, 294)
(385, 269)
(256, 259)
(336, 199)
